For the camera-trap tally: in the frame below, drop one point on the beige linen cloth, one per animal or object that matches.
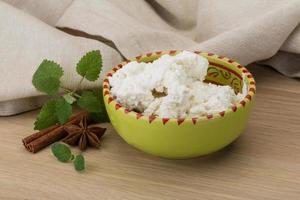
(264, 31)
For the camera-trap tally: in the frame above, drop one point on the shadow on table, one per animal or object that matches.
(220, 157)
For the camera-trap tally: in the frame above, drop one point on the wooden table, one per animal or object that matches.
(264, 163)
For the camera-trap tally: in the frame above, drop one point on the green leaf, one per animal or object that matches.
(61, 151)
(101, 115)
(53, 112)
(90, 65)
(46, 78)
(89, 102)
(46, 116)
(69, 98)
(63, 110)
(79, 163)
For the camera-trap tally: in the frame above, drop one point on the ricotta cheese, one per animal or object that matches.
(171, 87)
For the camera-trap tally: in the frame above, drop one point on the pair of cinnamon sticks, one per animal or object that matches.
(42, 139)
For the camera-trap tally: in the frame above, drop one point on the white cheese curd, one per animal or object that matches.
(210, 98)
(171, 87)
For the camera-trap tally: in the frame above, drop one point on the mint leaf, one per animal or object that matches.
(46, 78)
(61, 151)
(63, 110)
(54, 111)
(79, 163)
(46, 116)
(89, 102)
(69, 98)
(101, 114)
(90, 65)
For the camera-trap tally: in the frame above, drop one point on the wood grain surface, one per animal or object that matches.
(264, 163)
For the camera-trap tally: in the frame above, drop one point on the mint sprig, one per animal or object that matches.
(63, 153)
(58, 110)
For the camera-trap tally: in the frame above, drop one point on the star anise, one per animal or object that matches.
(83, 135)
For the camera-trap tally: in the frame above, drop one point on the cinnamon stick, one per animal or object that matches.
(37, 141)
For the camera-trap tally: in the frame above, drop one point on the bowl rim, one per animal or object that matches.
(109, 99)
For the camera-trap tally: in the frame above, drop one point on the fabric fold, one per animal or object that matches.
(27, 42)
(264, 31)
(45, 10)
(258, 39)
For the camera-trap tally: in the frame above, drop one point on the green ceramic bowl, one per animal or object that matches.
(189, 137)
